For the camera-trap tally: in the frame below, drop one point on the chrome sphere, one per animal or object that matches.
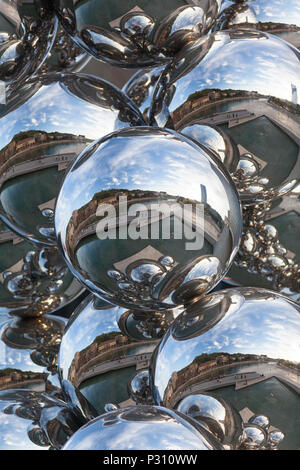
(27, 32)
(139, 388)
(281, 17)
(33, 281)
(155, 179)
(42, 135)
(101, 338)
(32, 420)
(131, 35)
(275, 438)
(217, 415)
(29, 350)
(254, 437)
(227, 79)
(243, 337)
(261, 421)
(142, 428)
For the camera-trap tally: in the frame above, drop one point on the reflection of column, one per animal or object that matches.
(294, 94)
(203, 194)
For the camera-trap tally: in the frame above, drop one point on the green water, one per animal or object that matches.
(107, 388)
(273, 399)
(288, 225)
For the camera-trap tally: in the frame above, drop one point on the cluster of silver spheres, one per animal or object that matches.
(149, 197)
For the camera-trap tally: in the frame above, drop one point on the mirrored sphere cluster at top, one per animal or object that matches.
(27, 32)
(136, 33)
(143, 254)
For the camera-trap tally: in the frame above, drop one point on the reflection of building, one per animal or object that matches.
(294, 94)
(10, 378)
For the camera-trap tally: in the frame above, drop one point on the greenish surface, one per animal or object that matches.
(273, 399)
(6, 26)
(107, 388)
(268, 142)
(288, 226)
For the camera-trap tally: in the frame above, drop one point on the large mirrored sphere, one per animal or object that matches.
(27, 32)
(281, 17)
(142, 428)
(160, 190)
(241, 344)
(31, 420)
(217, 415)
(247, 83)
(44, 126)
(33, 281)
(136, 33)
(101, 348)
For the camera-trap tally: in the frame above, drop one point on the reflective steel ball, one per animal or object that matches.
(139, 388)
(27, 32)
(142, 428)
(45, 124)
(254, 437)
(235, 343)
(281, 17)
(247, 83)
(136, 34)
(127, 235)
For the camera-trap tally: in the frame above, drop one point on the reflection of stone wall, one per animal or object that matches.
(10, 378)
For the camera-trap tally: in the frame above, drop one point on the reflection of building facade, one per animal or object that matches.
(10, 378)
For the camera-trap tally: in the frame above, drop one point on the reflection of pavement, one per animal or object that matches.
(7, 236)
(37, 164)
(242, 380)
(141, 361)
(287, 205)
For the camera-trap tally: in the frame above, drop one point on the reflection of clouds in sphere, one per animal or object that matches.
(165, 265)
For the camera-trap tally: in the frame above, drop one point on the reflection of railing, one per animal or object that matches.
(37, 164)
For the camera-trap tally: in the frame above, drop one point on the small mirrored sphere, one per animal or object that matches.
(139, 388)
(243, 346)
(31, 420)
(281, 17)
(42, 135)
(245, 82)
(101, 348)
(33, 281)
(29, 350)
(260, 420)
(142, 428)
(254, 437)
(136, 33)
(217, 415)
(27, 32)
(159, 190)
(275, 437)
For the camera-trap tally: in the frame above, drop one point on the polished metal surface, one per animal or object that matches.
(269, 252)
(32, 420)
(155, 265)
(44, 126)
(142, 428)
(254, 438)
(27, 32)
(239, 337)
(260, 420)
(217, 415)
(136, 33)
(29, 350)
(33, 280)
(100, 338)
(281, 17)
(65, 55)
(139, 388)
(247, 83)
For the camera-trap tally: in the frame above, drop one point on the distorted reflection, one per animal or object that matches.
(138, 33)
(242, 344)
(41, 136)
(139, 388)
(142, 427)
(138, 235)
(281, 17)
(246, 83)
(27, 32)
(32, 420)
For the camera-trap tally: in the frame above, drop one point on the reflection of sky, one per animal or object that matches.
(13, 431)
(79, 335)
(264, 326)
(153, 163)
(52, 108)
(266, 65)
